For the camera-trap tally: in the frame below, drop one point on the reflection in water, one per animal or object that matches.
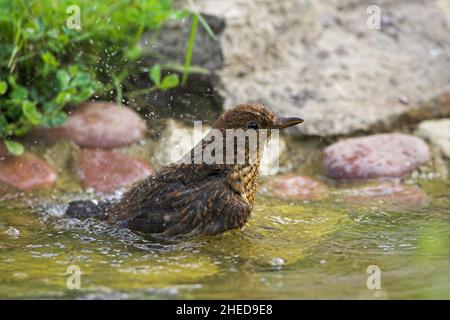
(303, 250)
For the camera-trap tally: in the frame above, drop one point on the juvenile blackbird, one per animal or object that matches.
(196, 198)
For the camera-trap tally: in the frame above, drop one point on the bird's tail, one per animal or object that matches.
(84, 209)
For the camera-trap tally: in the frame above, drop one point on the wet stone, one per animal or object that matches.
(296, 188)
(26, 172)
(390, 194)
(106, 171)
(376, 156)
(104, 125)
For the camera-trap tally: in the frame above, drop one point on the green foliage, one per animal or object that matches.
(14, 147)
(3, 87)
(190, 48)
(168, 82)
(45, 65)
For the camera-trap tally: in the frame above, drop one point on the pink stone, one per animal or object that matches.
(26, 172)
(375, 156)
(106, 171)
(390, 194)
(104, 125)
(293, 187)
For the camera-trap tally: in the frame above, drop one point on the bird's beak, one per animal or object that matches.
(288, 122)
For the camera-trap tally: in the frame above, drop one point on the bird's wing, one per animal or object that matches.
(182, 198)
(208, 208)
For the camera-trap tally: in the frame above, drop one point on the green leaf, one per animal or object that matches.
(82, 96)
(14, 147)
(30, 111)
(81, 79)
(170, 81)
(155, 74)
(19, 93)
(50, 59)
(62, 98)
(50, 107)
(3, 124)
(134, 52)
(3, 87)
(180, 14)
(58, 119)
(46, 121)
(63, 79)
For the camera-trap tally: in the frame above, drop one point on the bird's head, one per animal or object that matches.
(253, 117)
(237, 138)
(245, 130)
(251, 120)
(235, 143)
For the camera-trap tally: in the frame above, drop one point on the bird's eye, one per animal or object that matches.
(252, 125)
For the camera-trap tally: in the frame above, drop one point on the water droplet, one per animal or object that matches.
(277, 262)
(13, 232)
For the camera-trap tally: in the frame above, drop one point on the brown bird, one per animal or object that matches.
(197, 198)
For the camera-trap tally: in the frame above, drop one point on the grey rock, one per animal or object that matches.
(437, 132)
(171, 42)
(342, 79)
(434, 106)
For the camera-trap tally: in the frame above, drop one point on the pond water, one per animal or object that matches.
(289, 251)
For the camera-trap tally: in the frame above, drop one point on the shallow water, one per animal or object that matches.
(289, 250)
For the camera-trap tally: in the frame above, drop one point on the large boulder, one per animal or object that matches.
(319, 60)
(434, 106)
(376, 156)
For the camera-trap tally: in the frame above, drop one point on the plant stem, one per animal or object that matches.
(190, 49)
(119, 93)
(139, 92)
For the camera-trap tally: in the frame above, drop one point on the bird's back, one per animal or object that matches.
(181, 199)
